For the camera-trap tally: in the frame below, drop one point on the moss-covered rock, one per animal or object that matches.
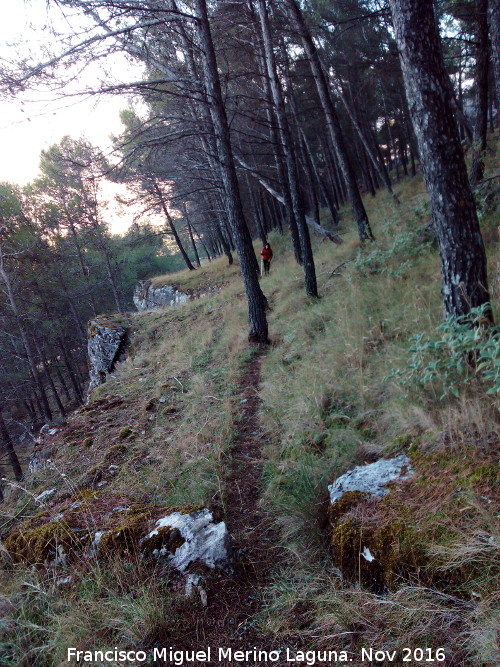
(409, 535)
(51, 542)
(106, 343)
(61, 533)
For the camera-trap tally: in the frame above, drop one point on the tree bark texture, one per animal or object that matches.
(257, 302)
(428, 89)
(290, 158)
(9, 448)
(494, 25)
(334, 129)
(481, 119)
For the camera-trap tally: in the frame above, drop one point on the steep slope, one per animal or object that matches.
(193, 417)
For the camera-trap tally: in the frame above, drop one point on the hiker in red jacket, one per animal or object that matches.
(267, 254)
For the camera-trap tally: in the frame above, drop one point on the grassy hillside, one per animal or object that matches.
(161, 430)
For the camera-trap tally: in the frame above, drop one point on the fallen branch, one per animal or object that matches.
(334, 272)
(490, 178)
(318, 229)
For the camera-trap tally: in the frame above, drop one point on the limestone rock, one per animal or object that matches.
(371, 479)
(204, 541)
(148, 297)
(43, 450)
(106, 342)
(366, 546)
(45, 495)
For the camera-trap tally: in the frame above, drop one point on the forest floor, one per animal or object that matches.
(196, 417)
(229, 618)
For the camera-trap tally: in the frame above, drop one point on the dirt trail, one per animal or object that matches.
(229, 618)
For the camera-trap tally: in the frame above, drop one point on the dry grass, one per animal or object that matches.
(328, 403)
(165, 420)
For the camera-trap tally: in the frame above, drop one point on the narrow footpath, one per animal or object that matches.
(229, 619)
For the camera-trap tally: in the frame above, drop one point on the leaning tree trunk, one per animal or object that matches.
(24, 336)
(257, 302)
(170, 221)
(332, 121)
(481, 119)
(428, 88)
(494, 24)
(290, 158)
(9, 447)
(381, 173)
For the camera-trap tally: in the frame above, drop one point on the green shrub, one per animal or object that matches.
(404, 246)
(460, 351)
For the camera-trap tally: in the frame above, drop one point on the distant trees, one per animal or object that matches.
(234, 207)
(254, 116)
(333, 124)
(53, 278)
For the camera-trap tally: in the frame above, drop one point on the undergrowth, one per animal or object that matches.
(160, 431)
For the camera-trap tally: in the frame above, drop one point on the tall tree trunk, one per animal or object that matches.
(83, 268)
(76, 385)
(48, 375)
(360, 215)
(327, 196)
(190, 232)
(62, 382)
(24, 336)
(257, 302)
(382, 174)
(9, 447)
(481, 119)
(322, 231)
(290, 158)
(76, 316)
(494, 24)
(178, 241)
(428, 88)
(337, 185)
(278, 154)
(203, 245)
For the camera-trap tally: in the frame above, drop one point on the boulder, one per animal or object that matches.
(367, 538)
(106, 343)
(148, 297)
(43, 451)
(371, 479)
(200, 540)
(182, 536)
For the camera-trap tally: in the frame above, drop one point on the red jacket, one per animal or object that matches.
(267, 254)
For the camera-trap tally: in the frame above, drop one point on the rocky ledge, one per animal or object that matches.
(148, 297)
(106, 346)
(90, 526)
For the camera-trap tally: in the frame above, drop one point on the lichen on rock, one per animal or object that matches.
(371, 479)
(203, 540)
(148, 297)
(106, 343)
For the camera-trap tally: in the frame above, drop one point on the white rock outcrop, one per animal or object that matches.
(371, 479)
(106, 342)
(148, 297)
(204, 541)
